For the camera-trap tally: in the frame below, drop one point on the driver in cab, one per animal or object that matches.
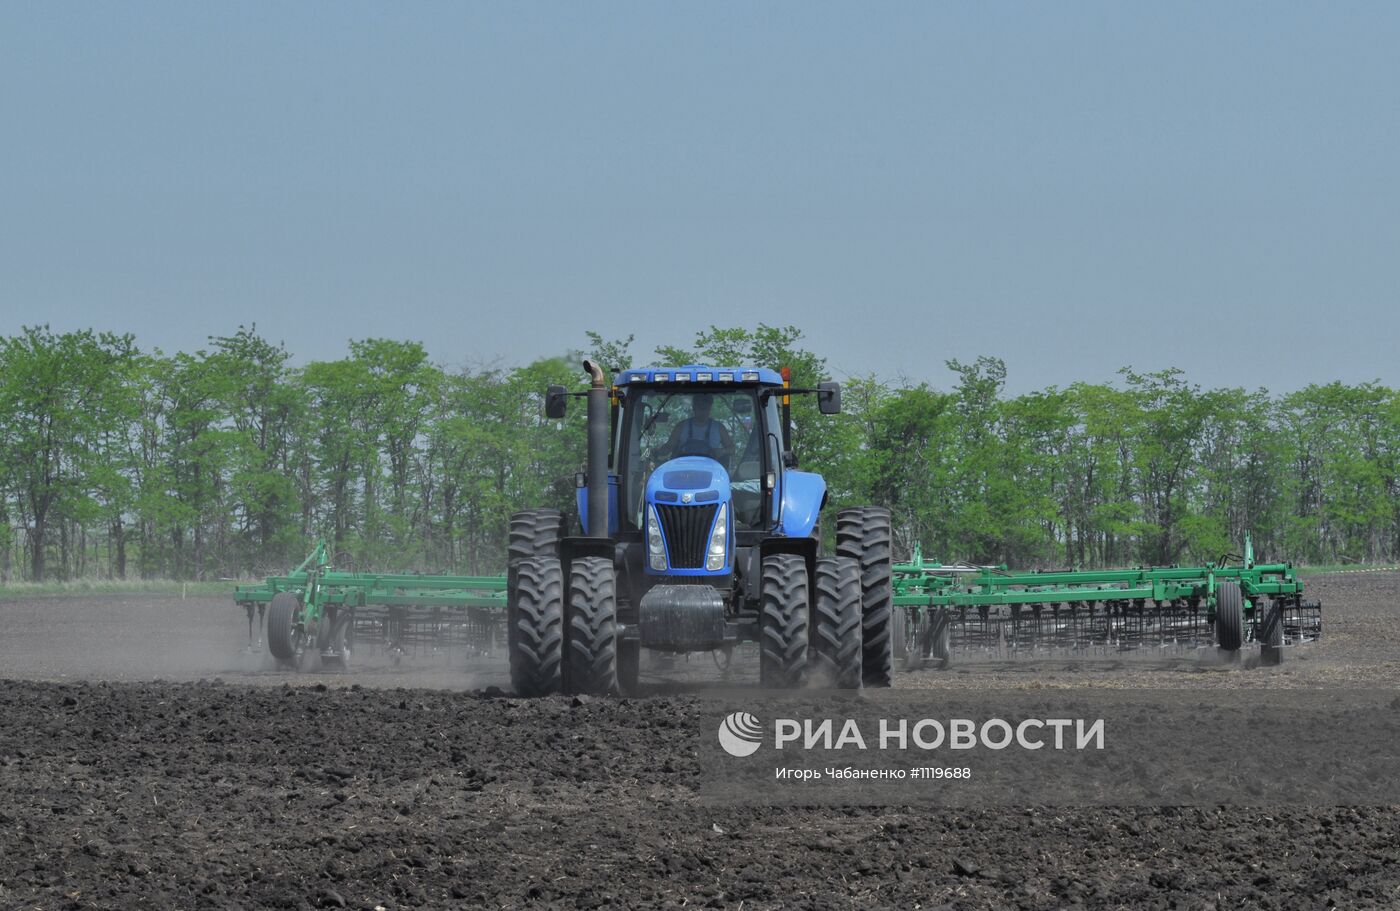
(700, 434)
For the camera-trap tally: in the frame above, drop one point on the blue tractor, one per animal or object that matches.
(698, 533)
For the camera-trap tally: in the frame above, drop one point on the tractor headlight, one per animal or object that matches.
(714, 560)
(656, 550)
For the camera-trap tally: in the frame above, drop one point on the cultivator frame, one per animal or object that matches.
(991, 611)
(334, 612)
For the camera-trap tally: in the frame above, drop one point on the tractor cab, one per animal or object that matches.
(708, 445)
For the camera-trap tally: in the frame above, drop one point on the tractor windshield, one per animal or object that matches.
(724, 424)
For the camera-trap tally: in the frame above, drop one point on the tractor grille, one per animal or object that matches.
(687, 532)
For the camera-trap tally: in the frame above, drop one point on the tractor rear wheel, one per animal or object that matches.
(864, 533)
(1229, 616)
(782, 658)
(836, 602)
(590, 660)
(285, 639)
(535, 533)
(1270, 632)
(535, 626)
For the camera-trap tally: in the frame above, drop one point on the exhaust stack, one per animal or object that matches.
(597, 470)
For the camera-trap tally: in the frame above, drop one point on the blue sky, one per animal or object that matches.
(1071, 187)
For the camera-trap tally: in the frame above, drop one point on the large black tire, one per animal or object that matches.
(535, 533)
(1270, 632)
(590, 658)
(535, 630)
(835, 631)
(864, 533)
(782, 657)
(1229, 616)
(285, 639)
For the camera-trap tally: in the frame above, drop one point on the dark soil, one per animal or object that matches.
(346, 791)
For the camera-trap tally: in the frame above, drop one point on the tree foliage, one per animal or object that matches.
(229, 460)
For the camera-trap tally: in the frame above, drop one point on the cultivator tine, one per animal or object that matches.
(1123, 634)
(974, 629)
(1023, 631)
(1302, 622)
(1064, 627)
(251, 647)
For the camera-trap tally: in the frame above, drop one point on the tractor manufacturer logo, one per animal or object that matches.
(740, 734)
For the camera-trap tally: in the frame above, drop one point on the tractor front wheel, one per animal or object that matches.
(590, 662)
(535, 626)
(782, 659)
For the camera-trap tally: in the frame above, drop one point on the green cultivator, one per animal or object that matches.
(315, 608)
(943, 610)
(940, 611)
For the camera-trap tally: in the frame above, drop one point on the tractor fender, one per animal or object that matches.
(582, 498)
(803, 495)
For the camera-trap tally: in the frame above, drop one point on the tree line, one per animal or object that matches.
(229, 461)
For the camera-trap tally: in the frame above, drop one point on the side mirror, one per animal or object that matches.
(555, 402)
(789, 459)
(829, 398)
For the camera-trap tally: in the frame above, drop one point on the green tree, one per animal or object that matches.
(59, 395)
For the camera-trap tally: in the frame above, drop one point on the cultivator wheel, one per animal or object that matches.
(535, 631)
(1229, 616)
(836, 626)
(535, 533)
(783, 622)
(940, 643)
(590, 659)
(864, 534)
(285, 637)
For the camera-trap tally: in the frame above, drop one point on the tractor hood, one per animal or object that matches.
(691, 478)
(688, 514)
